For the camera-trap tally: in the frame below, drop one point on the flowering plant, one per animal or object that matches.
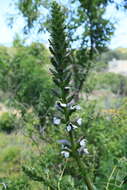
(59, 47)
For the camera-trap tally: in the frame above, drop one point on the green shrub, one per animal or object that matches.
(116, 83)
(17, 183)
(11, 154)
(7, 122)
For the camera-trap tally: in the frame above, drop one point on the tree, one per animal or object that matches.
(24, 77)
(96, 33)
(33, 11)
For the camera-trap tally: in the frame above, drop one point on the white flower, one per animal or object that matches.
(65, 147)
(71, 127)
(67, 88)
(83, 142)
(85, 150)
(76, 107)
(79, 121)
(72, 108)
(56, 121)
(61, 105)
(66, 154)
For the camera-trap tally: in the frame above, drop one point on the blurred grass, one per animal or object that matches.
(14, 151)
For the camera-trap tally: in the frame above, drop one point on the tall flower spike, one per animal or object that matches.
(59, 47)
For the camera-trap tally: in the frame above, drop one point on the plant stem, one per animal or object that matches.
(75, 155)
(82, 170)
(110, 177)
(79, 163)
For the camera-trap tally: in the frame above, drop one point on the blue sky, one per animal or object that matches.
(7, 35)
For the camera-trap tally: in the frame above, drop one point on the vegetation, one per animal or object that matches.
(62, 114)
